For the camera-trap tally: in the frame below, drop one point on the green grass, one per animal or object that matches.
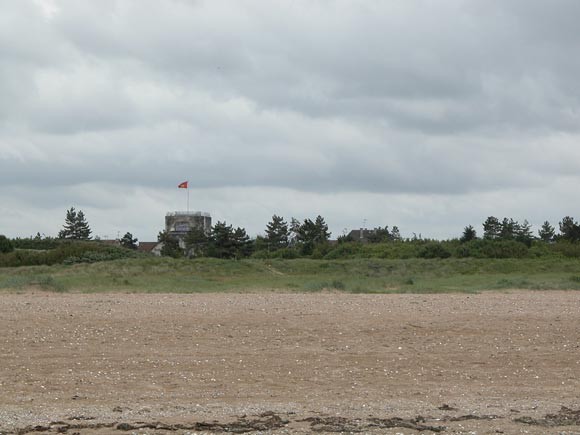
(166, 275)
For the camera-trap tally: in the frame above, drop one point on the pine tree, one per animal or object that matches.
(570, 229)
(524, 233)
(68, 231)
(196, 242)
(75, 226)
(6, 244)
(304, 235)
(491, 228)
(127, 241)
(243, 246)
(509, 229)
(322, 233)
(170, 245)
(83, 231)
(309, 234)
(547, 232)
(379, 235)
(345, 238)
(395, 234)
(261, 243)
(469, 234)
(221, 241)
(277, 233)
(293, 237)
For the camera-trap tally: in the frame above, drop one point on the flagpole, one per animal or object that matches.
(185, 185)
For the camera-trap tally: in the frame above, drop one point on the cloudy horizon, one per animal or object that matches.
(426, 115)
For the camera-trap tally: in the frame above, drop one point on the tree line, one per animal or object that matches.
(75, 229)
(224, 241)
(500, 238)
(509, 229)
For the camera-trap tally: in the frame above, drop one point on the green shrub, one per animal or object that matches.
(284, 253)
(391, 250)
(93, 257)
(262, 254)
(5, 245)
(37, 243)
(400, 250)
(434, 250)
(344, 250)
(542, 249)
(69, 252)
(320, 250)
(506, 249)
(493, 249)
(567, 249)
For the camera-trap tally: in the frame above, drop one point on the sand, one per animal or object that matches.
(290, 363)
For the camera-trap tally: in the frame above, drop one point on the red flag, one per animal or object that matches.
(182, 185)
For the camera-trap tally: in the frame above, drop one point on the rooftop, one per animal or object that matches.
(188, 213)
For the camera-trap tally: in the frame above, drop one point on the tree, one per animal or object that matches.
(70, 220)
(524, 233)
(6, 245)
(379, 235)
(83, 229)
(308, 234)
(277, 233)
(509, 229)
(294, 231)
(547, 232)
(322, 233)
(127, 241)
(171, 246)
(75, 226)
(345, 238)
(69, 226)
(196, 242)
(491, 228)
(221, 241)
(396, 234)
(469, 234)
(243, 246)
(261, 243)
(570, 229)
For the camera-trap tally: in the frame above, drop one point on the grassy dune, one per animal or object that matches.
(302, 275)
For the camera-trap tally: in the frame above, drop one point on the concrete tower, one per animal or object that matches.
(178, 223)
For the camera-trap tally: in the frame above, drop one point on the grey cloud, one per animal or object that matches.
(427, 167)
(326, 98)
(342, 61)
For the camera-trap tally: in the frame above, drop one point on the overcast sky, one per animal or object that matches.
(429, 115)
